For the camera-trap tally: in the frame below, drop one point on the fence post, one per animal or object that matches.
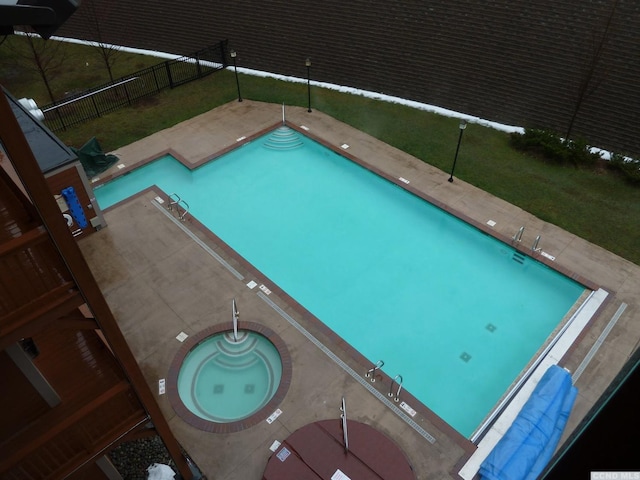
(222, 46)
(95, 105)
(198, 65)
(59, 115)
(126, 92)
(155, 78)
(166, 65)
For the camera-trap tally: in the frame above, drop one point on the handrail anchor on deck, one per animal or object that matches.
(371, 373)
(394, 381)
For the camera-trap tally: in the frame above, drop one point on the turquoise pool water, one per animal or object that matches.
(443, 304)
(223, 380)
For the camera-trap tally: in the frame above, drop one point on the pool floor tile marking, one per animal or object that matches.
(181, 337)
(274, 446)
(465, 357)
(404, 180)
(491, 327)
(162, 386)
(596, 346)
(273, 416)
(159, 200)
(408, 409)
(252, 284)
(491, 223)
(203, 245)
(361, 380)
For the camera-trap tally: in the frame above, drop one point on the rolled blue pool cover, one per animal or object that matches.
(528, 445)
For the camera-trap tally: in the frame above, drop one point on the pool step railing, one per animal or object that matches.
(534, 247)
(235, 314)
(518, 236)
(343, 418)
(371, 373)
(174, 199)
(176, 203)
(395, 380)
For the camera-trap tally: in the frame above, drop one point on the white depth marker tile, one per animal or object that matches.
(274, 446)
(273, 416)
(182, 337)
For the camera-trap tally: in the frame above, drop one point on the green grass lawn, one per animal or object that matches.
(597, 206)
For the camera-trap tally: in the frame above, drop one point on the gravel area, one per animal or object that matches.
(133, 458)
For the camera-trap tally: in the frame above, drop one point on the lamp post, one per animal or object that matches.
(235, 69)
(307, 63)
(462, 126)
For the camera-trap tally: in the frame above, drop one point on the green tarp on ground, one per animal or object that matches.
(93, 159)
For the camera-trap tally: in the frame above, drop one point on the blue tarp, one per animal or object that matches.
(528, 445)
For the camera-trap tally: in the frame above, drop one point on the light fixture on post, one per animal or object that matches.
(235, 69)
(462, 126)
(307, 63)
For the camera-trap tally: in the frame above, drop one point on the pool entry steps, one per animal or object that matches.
(283, 138)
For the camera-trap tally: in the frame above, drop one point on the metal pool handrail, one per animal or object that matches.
(343, 416)
(534, 247)
(235, 314)
(397, 396)
(371, 373)
(518, 236)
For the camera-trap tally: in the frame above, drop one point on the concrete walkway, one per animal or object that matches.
(162, 277)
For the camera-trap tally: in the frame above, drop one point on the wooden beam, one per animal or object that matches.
(49, 426)
(27, 239)
(42, 320)
(34, 182)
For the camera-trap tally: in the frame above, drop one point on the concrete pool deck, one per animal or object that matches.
(162, 277)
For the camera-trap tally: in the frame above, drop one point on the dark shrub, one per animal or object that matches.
(628, 168)
(552, 147)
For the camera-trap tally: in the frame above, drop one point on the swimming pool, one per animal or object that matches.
(225, 380)
(451, 309)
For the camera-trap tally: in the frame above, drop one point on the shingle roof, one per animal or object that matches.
(49, 151)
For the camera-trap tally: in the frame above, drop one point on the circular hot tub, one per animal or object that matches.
(223, 379)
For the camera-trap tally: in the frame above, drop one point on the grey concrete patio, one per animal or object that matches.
(160, 282)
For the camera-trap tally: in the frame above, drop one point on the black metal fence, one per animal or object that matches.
(111, 96)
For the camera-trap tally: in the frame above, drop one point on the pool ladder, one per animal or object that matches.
(393, 382)
(518, 236)
(371, 373)
(534, 247)
(177, 202)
